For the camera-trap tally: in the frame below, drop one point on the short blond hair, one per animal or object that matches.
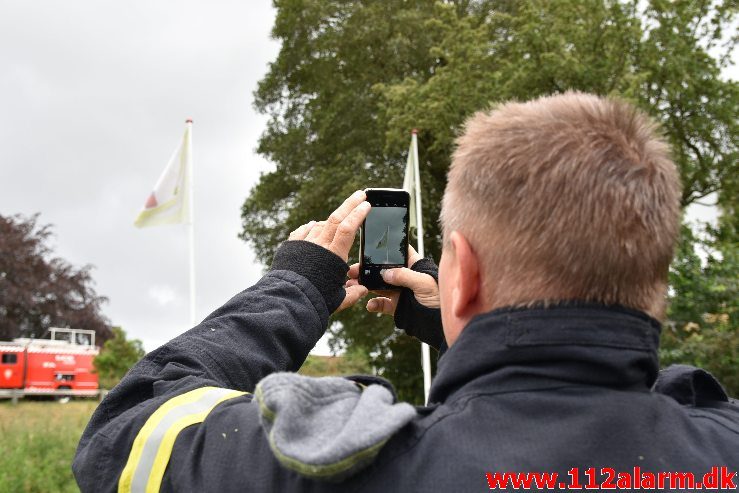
(567, 197)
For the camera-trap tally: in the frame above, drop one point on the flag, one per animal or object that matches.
(168, 203)
(409, 185)
(383, 240)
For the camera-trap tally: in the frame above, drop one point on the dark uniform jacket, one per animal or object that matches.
(545, 390)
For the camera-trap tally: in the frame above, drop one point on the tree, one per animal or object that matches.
(37, 290)
(703, 326)
(350, 363)
(116, 357)
(353, 78)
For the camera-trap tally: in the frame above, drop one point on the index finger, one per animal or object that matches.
(336, 217)
(344, 237)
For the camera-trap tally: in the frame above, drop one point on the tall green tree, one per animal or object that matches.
(352, 78)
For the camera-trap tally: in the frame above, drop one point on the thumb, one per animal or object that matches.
(381, 305)
(353, 294)
(406, 277)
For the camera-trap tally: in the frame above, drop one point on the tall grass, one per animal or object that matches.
(37, 444)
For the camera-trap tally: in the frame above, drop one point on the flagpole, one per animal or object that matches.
(191, 220)
(387, 244)
(425, 352)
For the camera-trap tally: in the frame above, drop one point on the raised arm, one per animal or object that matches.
(269, 327)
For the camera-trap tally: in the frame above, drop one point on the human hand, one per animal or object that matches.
(337, 234)
(424, 287)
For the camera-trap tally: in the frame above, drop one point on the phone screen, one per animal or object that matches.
(384, 235)
(386, 240)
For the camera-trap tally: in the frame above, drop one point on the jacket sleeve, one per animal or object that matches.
(269, 327)
(416, 319)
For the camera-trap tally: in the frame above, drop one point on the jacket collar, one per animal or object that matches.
(570, 344)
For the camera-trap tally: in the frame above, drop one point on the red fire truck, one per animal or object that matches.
(61, 365)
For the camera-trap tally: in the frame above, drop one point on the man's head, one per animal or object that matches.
(567, 197)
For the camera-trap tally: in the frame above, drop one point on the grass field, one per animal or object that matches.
(37, 444)
(38, 439)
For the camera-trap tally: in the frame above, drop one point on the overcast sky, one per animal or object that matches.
(93, 100)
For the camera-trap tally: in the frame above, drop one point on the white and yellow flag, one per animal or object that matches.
(410, 185)
(168, 203)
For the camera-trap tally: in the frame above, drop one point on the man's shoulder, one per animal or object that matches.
(690, 385)
(701, 395)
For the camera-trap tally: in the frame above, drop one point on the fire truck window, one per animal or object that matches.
(84, 339)
(10, 359)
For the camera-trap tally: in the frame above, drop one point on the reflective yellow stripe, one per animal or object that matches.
(153, 445)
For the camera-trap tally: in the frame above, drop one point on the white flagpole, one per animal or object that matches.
(191, 221)
(425, 352)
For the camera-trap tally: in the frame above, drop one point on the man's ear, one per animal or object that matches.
(466, 291)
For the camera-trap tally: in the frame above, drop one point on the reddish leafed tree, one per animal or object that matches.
(38, 290)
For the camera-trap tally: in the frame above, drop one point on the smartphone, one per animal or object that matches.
(383, 238)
